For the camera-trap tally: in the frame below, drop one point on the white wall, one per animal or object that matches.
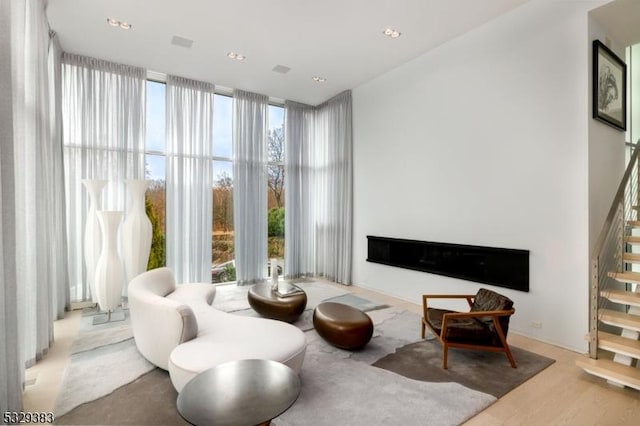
(483, 141)
(606, 149)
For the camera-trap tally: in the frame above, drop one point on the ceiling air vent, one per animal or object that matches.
(181, 41)
(281, 69)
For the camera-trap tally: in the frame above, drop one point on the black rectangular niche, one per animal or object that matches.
(501, 267)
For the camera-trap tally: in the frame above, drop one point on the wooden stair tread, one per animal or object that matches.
(631, 257)
(634, 223)
(632, 240)
(610, 370)
(619, 319)
(618, 344)
(621, 296)
(625, 277)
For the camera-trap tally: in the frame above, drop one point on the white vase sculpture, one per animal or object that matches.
(136, 232)
(92, 233)
(274, 275)
(109, 275)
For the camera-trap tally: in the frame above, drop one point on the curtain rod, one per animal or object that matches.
(220, 90)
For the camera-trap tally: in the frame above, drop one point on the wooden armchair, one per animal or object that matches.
(484, 328)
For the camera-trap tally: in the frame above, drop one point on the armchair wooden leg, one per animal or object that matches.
(422, 328)
(445, 354)
(510, 356)
(503, 340)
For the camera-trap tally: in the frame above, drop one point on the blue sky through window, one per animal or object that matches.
(156, 132)
(222, 131)
(276, 117)
(222, 126)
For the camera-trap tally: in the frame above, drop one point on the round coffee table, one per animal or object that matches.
(244, 392)
(269, 304)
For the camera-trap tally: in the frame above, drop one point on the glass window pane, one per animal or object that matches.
(155, 207)
(156, 134)
(223, 263)
(275, 149)
(275, 187)
(222, 126)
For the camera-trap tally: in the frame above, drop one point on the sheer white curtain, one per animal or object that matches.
(334, 188)
(11, 368)
(55, 196)
(299, 220)
(250, 185)
(103, 110)
(319, 196)
(32, 272)
(189, 187)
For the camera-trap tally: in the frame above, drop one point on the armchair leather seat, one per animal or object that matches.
(463, 330)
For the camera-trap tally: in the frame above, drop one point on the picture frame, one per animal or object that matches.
(609, 87)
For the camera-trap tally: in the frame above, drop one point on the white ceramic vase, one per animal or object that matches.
(109, 275)
(274, 275)
(136, 231)
(92, 233)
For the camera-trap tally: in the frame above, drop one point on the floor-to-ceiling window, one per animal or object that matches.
(155, 169)
(222, 248)
(222, 253)
(275, 187)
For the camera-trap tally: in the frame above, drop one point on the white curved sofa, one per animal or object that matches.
(175, 328)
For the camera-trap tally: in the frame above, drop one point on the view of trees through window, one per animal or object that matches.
(275, 186)
(155, 166)
(222, 247)
(222, 250)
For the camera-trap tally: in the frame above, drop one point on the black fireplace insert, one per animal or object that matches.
(501, 267)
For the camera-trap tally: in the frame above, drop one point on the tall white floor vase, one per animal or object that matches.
(92, 233)
(135, 234)
(110, 269)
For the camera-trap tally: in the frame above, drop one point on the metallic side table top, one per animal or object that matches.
(246, 392)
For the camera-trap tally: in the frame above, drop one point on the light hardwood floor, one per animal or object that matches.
(560, 395)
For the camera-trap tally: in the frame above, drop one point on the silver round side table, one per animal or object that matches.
(245, 392)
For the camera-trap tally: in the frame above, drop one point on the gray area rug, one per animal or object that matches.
(104, 357)
(396, 379)
(347, 392)
(112, 348)
(357, 302)
(148, 400)
(341, 387)
(97, 372)
(483, 371)
(233, 299)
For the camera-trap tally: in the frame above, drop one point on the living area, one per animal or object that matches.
(276, 139)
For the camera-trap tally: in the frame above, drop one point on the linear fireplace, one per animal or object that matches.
(489, 265)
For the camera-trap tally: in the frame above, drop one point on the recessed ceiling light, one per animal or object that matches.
(319, 79)
(390, 32)
(236, 56)
(121, 24)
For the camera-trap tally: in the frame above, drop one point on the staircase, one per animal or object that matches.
(614, 289)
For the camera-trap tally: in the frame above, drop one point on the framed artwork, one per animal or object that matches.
(609, 87)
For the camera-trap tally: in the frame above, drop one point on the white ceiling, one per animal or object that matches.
(340, 40)
(621, 18)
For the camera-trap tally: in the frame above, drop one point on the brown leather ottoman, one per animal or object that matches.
(268, 304)
(343, 326)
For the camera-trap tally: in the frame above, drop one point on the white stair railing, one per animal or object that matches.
(610, 247)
